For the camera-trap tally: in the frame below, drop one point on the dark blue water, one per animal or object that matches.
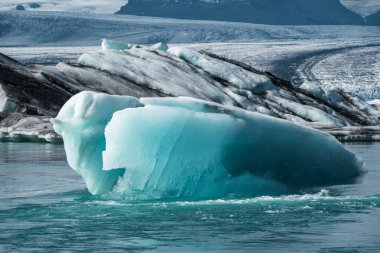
(44, 207)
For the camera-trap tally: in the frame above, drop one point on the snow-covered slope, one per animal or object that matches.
(362, 7)
(278, 12)
(88, 6)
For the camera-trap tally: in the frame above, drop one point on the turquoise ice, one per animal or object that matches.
(81, 122)
(186, 147)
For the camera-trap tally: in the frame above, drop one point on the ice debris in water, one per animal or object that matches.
(118, 46)
(161, 46)
(115, 45)
(186, 147)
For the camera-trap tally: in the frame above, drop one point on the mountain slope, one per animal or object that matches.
(373, 19)
(276, 12)
(87, 6)
(362, 7)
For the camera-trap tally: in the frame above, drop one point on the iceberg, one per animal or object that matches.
(115, 45)
(186, 147)
(160, 46)
(119, 46)
(81, 123)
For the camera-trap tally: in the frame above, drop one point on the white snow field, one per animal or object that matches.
(186, 147)
(61, 29)
(353, 66)
(87, 6)
(359, 73)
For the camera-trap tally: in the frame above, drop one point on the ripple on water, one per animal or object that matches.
(66, 218)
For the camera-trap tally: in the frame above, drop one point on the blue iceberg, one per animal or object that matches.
(186, 147)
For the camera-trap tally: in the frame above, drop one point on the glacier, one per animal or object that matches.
(186, 147)
(178, 71)
(158, 71)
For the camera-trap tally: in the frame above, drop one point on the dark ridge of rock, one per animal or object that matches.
(31, 94)
(352, 134)
(276, 80)
(20, 7)
(42, 90)
(373, 19)
(34, 5)
(273, 12)
(355, 116)
(29, 90)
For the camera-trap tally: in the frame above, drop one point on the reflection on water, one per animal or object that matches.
(11, 152)
(44, 207)
(34, 173)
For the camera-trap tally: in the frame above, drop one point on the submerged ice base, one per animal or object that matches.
(186, 147)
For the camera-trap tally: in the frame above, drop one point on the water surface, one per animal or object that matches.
(44, 207)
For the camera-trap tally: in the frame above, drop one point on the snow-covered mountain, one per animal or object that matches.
(362, 7)
(89, 6)
(292, 12)
(276, 12)
(255, 11)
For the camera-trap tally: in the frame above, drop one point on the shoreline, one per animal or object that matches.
(342, 134)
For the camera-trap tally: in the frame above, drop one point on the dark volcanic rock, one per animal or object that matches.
(34, 5)
(20, 7)
(36, 93)
(28, 90)
(42, 90)
(274, 12)
(373, 19)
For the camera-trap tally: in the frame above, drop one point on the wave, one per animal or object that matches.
(322, 201)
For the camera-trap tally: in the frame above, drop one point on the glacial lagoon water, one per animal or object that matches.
(45, 207)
